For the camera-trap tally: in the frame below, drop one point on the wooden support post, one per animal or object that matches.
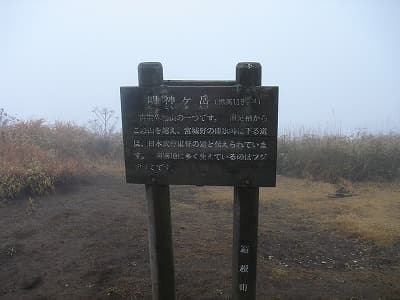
(160, 241)
(159, 213)
(245, 225)
(245, 213)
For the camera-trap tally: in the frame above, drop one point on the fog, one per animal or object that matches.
(336, 62)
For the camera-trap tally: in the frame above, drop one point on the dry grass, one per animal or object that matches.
(332, 158)
(280, 273)
(371, 213)
(36, 157)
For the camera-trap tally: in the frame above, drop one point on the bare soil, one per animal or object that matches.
(90, 242)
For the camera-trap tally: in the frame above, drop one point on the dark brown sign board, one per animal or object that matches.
(200, 133)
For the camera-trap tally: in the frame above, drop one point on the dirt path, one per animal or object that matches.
(91, 243)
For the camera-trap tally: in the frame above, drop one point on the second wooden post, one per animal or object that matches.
(245, 212)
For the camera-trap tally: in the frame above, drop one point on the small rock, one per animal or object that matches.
(340, 280)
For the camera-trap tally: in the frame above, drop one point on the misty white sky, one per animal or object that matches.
(337, 63)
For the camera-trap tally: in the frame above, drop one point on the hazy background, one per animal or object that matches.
(337, 62)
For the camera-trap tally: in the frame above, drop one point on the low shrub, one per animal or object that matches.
(330, 158)
(36, 157)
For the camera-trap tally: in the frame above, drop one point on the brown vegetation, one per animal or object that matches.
(35, 156)
(332, 158)
(370, 213)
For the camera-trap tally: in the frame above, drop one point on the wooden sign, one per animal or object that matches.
(201, 133)
(194, 134)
